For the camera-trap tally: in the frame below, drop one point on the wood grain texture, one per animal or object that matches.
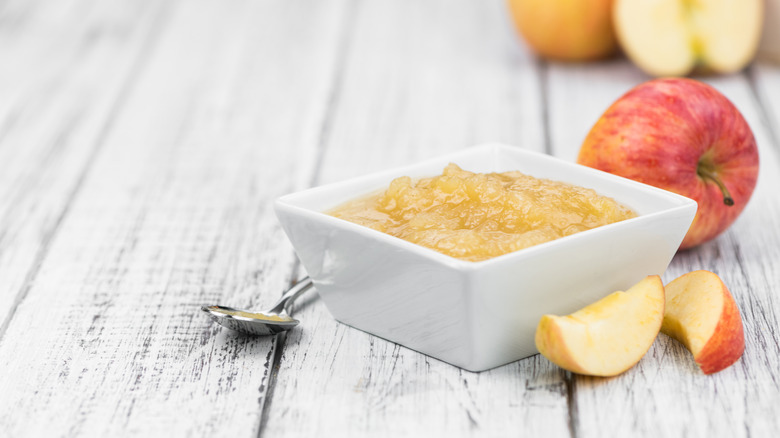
(176, 213)
(66, 69)
(420, 79)
(666, 394)
(141, 145)
(764, 79)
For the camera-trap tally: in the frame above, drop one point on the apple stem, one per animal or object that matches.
(707, 174)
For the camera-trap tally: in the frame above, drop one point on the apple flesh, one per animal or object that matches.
(673, 37)
(607, 337)
(567, 30)
(683, 136)
(702, 315)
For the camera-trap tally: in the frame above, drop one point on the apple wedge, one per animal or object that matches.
(702, 315)
(673, 37)
(608, 336)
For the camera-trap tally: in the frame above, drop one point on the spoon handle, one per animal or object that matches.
(287, 299)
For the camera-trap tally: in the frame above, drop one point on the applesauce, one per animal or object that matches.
(477, 216)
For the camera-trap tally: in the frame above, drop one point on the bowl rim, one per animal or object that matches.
(287, 202)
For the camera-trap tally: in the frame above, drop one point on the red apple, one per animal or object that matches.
(567, 30)
(683, 136)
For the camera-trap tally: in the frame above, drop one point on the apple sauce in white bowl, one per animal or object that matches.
(477, 314)
(478, 216)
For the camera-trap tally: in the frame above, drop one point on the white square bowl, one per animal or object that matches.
(477, 315)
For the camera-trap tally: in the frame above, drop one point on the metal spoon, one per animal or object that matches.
(269, 322)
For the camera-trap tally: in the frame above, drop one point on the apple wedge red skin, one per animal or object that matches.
(727, 342)
(660, 131)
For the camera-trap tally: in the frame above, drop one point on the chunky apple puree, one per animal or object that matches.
(477, 216)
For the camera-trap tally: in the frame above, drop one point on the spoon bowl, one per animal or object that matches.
(265, 323)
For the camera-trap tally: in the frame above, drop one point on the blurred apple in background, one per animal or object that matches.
(674, 37)
(568, 30)
(683, 136)
(770, 41)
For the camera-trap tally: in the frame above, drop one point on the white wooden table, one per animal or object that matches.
(141, 145)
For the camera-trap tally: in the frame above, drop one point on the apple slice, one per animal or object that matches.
(608, 336)
(702, 315)
(672, 37)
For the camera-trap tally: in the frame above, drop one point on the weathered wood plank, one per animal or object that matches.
(136, 180)
(420, 79)
(65, 69)
(765, 79)
(175, 213)
(665, 394)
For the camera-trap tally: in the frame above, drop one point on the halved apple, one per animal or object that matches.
(608, 336)
(672, 37)
(702, 315)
